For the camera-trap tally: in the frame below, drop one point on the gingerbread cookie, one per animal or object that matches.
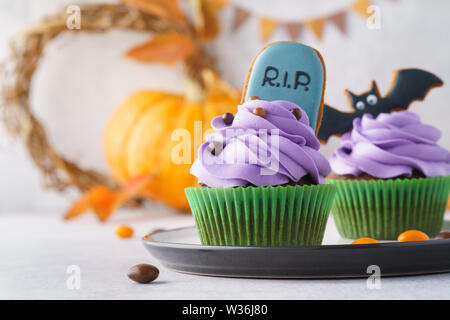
(407, 86)
(289, 71)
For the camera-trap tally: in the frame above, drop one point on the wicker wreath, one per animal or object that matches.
(60, 173)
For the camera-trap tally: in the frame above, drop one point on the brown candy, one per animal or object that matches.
(260, 112)
(254, 98)
(143, 273)
(442, 235)
(228, 118)
(297, 113)
(215, 148)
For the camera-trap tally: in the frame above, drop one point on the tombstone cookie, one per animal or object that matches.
(288, 71)
(408, 85)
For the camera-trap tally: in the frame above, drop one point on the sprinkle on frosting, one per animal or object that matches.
(276, 149)
(228, 118)
(389, 146)
(297, 113)
(260, 112)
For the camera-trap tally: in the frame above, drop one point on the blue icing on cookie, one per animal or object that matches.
(289, 71)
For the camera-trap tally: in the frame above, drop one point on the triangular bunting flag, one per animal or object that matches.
(360, 6)
(267, 27)
(294, 30)
(340, 21)
(240, 15)
(316, 26)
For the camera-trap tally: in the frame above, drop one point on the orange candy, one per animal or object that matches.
(365, 241)
(412, 235)
(124, 231)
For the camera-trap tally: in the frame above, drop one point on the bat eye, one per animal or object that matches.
(372, 99)
(360, 105)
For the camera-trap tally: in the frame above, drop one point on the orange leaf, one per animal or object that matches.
(79, 207)
(166, 48)
(133, 188)
(104, 201)
(173, 7)
(99, 199)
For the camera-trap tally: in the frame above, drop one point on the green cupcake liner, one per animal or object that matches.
(261, 216)
(382, 209)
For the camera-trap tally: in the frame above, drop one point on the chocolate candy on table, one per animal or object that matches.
(260, 112)
(228, 118)
(143, 273)
(297, 113)
(442, 235)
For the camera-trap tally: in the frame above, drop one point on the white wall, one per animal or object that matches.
(84, 77)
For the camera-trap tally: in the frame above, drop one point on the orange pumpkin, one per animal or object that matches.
(142, 137)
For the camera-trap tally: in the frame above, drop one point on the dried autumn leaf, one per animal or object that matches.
(174, 8)
(210, 23)
(99, 199)
(166, 48)
(206, 19)
(104, 201)
(133, 188)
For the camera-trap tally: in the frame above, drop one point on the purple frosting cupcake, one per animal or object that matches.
(263, 179)
(276, 148)
(391, 175)
(390, 146)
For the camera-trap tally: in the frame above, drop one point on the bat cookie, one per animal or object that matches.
(289, 71)
(407, 86)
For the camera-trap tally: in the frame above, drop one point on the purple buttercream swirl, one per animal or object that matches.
(262, 151)
(389, 146)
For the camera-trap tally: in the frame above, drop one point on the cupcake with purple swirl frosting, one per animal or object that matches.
(391, 176)
(262, 179)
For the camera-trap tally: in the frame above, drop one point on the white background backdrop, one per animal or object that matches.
(84, 77)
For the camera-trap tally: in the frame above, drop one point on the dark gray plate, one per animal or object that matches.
(180, 250)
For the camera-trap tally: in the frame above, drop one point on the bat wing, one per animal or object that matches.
(334, 122)
(410, 85)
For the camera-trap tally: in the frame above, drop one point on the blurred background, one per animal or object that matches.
(83, 77)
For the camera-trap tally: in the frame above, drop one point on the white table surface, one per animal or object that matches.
(37, 248)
